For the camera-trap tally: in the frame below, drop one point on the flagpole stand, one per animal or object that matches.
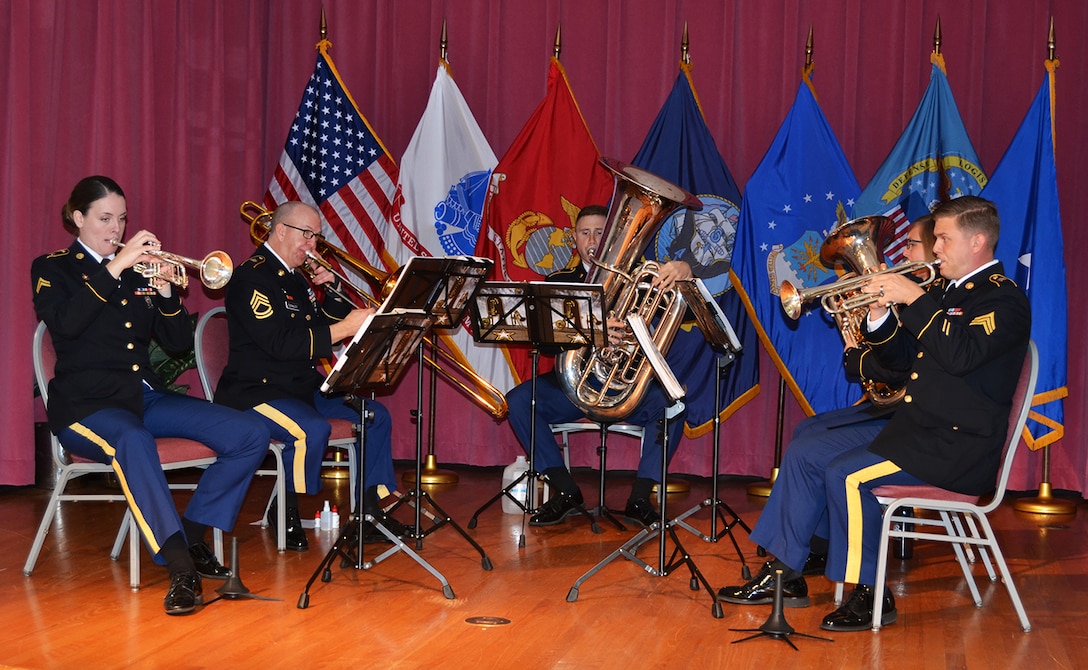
(1045, 502)
(763, 489)
(430, 473)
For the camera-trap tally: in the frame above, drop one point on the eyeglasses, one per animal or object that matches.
(911, 243)
(306, 232)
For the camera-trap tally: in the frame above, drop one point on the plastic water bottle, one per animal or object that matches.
(326, 517)
(520, 491)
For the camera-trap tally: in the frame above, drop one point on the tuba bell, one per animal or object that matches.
(608, 383)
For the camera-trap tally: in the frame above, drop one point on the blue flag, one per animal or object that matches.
(1024, 187)
(680, 148)
(792, 199)
(932, 161)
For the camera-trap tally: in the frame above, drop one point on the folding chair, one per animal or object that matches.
(175, 453)
(212, 349)
(949, 507)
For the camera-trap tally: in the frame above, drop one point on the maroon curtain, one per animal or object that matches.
(187, 104)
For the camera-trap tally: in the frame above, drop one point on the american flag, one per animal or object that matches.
(335, 161)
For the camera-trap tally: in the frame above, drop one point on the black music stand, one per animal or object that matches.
(442, 289)
(376, 356)
(661, 529)
(540, 314)
(723, 340)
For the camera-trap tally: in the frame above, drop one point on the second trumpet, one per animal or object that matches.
(846, 294)
(215, 269)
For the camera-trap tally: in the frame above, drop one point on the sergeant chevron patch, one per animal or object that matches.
(261, 306)
(986, 321)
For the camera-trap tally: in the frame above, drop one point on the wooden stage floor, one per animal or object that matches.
(77, 610)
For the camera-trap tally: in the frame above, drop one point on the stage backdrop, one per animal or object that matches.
(187, 103)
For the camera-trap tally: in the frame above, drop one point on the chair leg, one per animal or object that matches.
(133, 552)
(1006, 576)
(961, 557)
(122, 533)
(838, 593)
(47, 521)
(881, 567)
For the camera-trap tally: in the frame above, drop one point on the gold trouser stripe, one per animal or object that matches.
(137, 513)
(853, 514)
(299, 435)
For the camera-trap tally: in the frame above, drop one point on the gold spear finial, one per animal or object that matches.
(685, 43)
(324, 26)
(937, 37)
(808, 47)
(1051, 44)
(443, 42)
(558, 41)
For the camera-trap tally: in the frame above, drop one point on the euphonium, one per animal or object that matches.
(855, 244)
(608, 383)
(478, 389)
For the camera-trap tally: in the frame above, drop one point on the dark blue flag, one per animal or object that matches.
(796, 194)
(680, 148)
(1024, 186)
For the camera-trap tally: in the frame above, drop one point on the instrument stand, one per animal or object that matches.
(776, 627)
(376, 356)
(719, 510)
(233, 588)
(663, 528)
(541, 314)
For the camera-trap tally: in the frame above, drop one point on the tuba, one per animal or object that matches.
(855, 244)
(608, 383)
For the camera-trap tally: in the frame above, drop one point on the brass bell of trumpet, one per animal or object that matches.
(214, 270)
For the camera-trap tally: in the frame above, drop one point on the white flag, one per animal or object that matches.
(444, 176)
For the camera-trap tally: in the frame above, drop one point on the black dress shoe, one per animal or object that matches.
(184, 594)
(556, 509)
(815, 564)
(857, 612)
(760, 590)
(371, 534)
(206, 562)
(642, 512)
(296, 537)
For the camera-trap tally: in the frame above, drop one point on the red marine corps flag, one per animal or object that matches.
(549, 172)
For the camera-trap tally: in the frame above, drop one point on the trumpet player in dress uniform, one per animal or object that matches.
(278, 331)
(962, 339)
(107, 404)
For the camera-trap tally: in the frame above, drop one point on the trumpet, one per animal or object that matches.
(845, 294)
(484, 394)
(214, 270)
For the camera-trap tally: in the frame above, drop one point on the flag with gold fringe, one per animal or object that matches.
(933, 161)
(550, 171)
(800, 190)
(334, 160)
(680, 148)
(1024, 186)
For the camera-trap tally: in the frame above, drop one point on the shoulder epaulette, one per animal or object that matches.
(58, 253)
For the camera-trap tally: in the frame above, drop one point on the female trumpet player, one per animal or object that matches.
(107, 404)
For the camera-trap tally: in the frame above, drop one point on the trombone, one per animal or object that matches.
(485, 394)
(214, 270)
(845, 294)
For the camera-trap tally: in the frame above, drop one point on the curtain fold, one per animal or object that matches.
(187, 103)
